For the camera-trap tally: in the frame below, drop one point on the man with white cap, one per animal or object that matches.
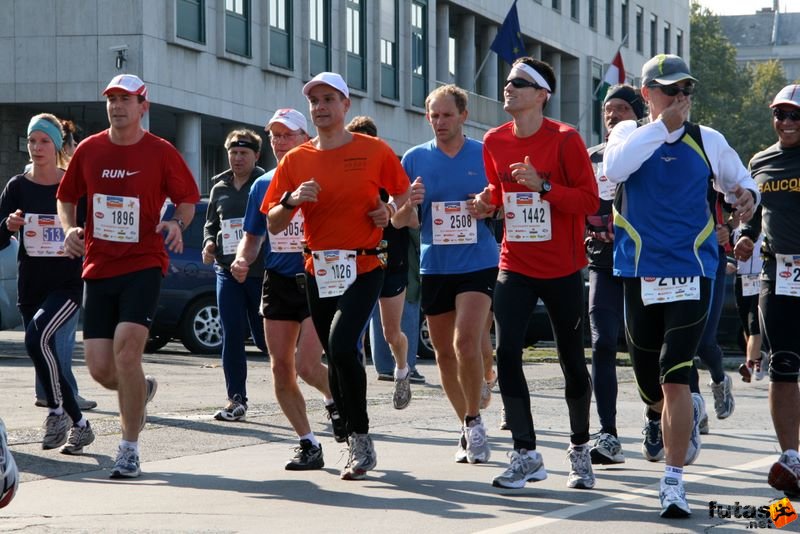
(665, 249)
(126, 173)
(334, 180)
(294, 346)
(776, 170)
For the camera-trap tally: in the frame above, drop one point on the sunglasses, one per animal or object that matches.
(672, 90)
(521, 83)
(782, 115)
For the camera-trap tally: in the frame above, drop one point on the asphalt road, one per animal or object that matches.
(202, 475)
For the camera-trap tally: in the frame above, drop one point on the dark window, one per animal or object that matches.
(610, 18)
(419, 52)
(388, 35)
(319, 36)
(639, 29)
(237, 27)
(574, 9)
(280, 33)
(653, 35)
(667, 37)
(624, 22)
(593, 14)
(679, 43)
(191, 20)
(356, 51)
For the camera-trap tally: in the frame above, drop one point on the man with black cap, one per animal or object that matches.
(665, 249)
(622, 102)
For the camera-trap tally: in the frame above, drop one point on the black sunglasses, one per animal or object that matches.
(672, 90)
(520, 83)
(782, 115)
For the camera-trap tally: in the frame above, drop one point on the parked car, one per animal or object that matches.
(187, 307)
(10, 317)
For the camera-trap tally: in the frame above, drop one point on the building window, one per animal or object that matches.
(610, 18)
(624, 22)
(667, 37)
(597, 104)
(557, 5)
(280, 33)
(191, 20)
(574, 10)
(237, 27)
(389, 30)
(419, 52)
(639, 29)
(356, 38)
(679, 42)
(653, 35)
(319, 36)
(451, 56)
(593, 14)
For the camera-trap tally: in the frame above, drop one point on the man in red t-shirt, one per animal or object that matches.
(540, 174)
(126, 173)
(335, 180)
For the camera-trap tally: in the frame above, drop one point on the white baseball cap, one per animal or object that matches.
(291, 118)
(328, 78)
(788, 95)
(128, 83)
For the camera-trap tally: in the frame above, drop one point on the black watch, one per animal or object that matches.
(546, 187)
(285, 201)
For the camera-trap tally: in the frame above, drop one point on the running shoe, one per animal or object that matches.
(607, 450)
(762, 366)
(56, 428)
(337, 423)
(416, 378)
(127, 464)
(461, 452)
(746, 370)
(235, 410)
(152, 386)
(694, 438)
(85, 404)
(402, 392)
(478, 450)
(79, 437)
(673, 499)
(784, 475)
(723, 397)
(703, 413)
(362, 457)
(653, 443)
(9, 472)
(307, 456)
(524, 466)
(385, 377)
(486, 391)
(581, 475)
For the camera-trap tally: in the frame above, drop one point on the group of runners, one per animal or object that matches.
(312, 256)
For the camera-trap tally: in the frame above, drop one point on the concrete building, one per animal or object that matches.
(765, 35)
(211, 65)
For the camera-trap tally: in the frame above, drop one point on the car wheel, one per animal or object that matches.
(201, 329)
(156, 342)
(424, 347)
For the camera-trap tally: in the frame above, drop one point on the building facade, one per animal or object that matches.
(212, 65)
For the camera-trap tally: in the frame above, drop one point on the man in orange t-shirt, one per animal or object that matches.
(334, 179)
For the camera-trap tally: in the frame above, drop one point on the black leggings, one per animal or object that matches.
(515, 298)
(663, 338)
(778, 326)
(339, 322)
(41, 325)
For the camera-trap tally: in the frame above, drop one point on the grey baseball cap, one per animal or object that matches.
(665, 69)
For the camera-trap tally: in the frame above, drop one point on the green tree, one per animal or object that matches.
(753, 130)
(721, 82)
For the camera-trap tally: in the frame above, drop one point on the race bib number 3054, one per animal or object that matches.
(291, 239)
(660, 290)
(116, 218)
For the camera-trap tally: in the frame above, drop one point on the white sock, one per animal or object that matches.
(328, 401)
(82, 423)
(674, 472)
(310, 437)
(400, 374)
(57, 411)
(792, 453)
(129, 445)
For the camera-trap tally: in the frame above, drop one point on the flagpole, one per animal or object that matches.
(477, 74)
(619, 48)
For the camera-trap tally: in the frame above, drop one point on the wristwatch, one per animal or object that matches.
(285, 201)
(546, 187)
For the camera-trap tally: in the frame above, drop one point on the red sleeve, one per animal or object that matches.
(180, 185)
(393, 175)
(72, 186)
(580, 195)
(491, 174)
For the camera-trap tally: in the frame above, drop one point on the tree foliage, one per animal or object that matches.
(731, 99)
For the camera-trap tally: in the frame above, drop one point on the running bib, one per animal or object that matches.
(751, 284)
(232, 233)
(290, 240)
(115, 218)
(605, 187)
(335, 271)
(453, 224)
(527, 217)
(787, 275)
(660, 290)
(43, 235)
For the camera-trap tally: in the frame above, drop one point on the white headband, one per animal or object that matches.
(530, 71)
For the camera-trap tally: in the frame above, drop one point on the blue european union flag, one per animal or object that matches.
(508, 42)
